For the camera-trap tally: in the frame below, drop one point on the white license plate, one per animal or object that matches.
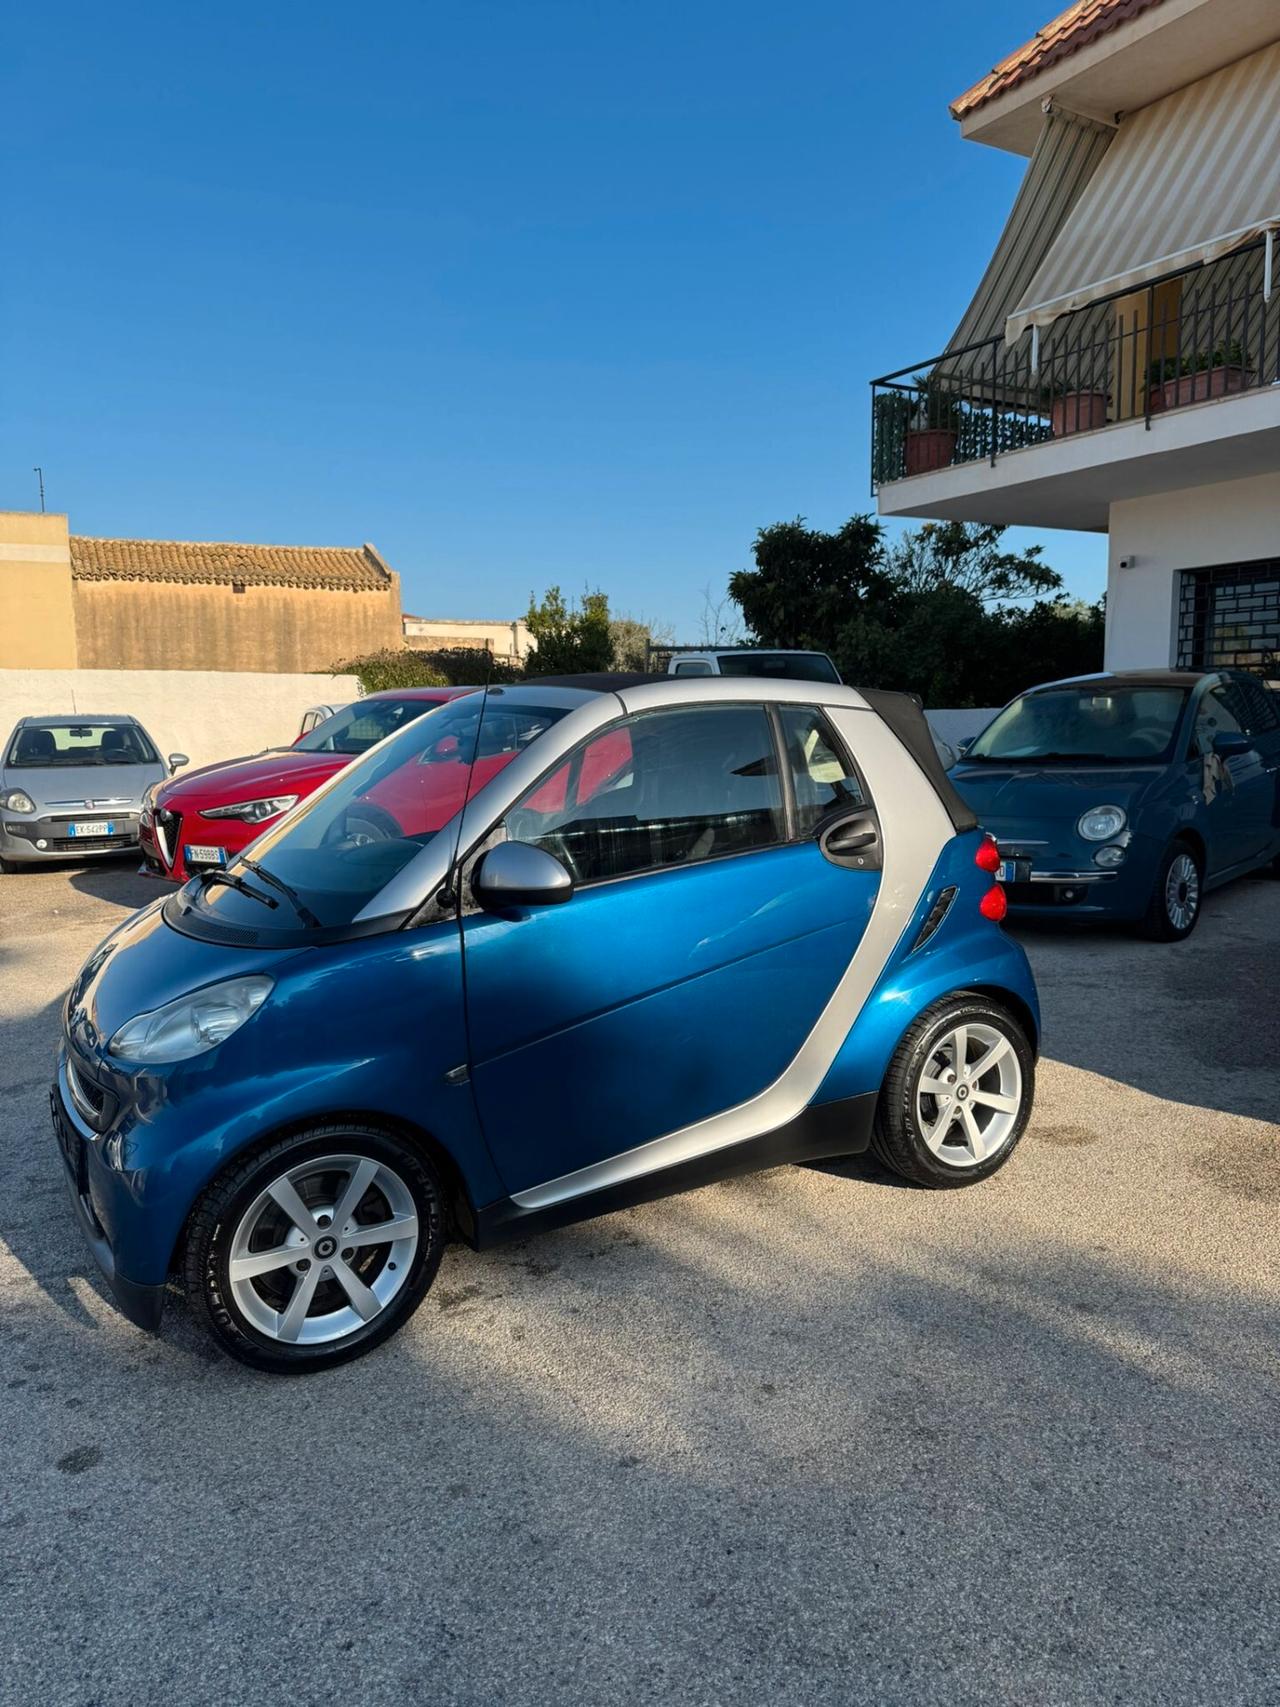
(1006, 871)
(92, 827)
(205, 856)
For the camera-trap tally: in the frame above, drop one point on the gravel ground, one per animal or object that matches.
(807, 1437)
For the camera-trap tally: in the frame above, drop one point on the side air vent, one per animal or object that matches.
(941, 907)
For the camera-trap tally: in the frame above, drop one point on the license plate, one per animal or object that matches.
(92, 827)
(205, 856)
(1006, 871)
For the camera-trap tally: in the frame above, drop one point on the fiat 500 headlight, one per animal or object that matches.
(1101, 823)
(191, 1024)
(252, 811)
(17, 800)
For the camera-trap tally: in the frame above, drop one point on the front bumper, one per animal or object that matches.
(79, 1146)
(1050, 882)
(166, 838)
(35, 840)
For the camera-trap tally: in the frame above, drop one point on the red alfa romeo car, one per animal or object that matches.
(206, 817)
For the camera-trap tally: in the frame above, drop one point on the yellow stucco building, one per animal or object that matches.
(67, 601)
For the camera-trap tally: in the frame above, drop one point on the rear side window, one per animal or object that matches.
(823, 779)
(1258, 707)
(695, 667)
(660, 789)
(780, 666)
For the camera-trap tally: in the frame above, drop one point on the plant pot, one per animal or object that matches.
(1208, 382)
(927, 448)
(1078, 412)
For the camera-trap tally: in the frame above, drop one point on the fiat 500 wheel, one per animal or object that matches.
(315, 1249)
(957, 1095)
(1174, 908)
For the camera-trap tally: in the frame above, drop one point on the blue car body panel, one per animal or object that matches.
(652, 1002)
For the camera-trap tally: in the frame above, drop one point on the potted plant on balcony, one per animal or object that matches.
(1194, 378)
(1073, 410)
(933, 426)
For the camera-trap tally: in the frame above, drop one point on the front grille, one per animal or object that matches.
(93, 1102)
(89, 844)
(168, 827)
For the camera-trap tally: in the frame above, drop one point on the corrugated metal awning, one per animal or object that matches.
(1186, 180)
(1065, 158)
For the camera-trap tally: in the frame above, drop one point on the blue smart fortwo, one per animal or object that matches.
(545, 951)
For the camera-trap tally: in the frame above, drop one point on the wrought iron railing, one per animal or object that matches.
(1183, 339)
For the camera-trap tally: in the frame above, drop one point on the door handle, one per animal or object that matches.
(849, 840)
(853, 841)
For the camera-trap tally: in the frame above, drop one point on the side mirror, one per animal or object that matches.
(176, 762)
(517, 874)
(1229, 742)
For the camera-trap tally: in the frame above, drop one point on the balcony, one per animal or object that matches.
(1138, 393)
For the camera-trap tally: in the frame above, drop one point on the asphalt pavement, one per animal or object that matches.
(807, 1437)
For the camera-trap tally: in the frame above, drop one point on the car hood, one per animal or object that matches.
(1023, 792)
(143, 964)
(283, 771)
(77, 788)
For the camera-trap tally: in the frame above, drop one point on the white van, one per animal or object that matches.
(754, 661)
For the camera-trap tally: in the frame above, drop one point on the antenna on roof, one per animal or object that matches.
(39, 473)
(448, 895)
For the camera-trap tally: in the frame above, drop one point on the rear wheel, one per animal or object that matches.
(316, 1249)
(957, 1095)
(1174, 908)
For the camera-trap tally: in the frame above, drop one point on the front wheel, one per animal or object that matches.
(958, 1093)
(315, 1249)
(1174, 908)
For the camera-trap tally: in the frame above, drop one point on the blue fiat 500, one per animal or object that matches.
(1127, 796)
(543, 952)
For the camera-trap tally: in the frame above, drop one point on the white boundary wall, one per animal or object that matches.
(207, 714)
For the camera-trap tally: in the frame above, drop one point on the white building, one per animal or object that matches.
(510, 641)
(1119, 366)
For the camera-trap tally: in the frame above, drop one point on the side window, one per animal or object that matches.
(1258, 706)
(660, 789)
(1216, 716)
(695, 667)
(822, 778)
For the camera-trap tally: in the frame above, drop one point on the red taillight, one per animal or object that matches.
(987, 857)
(994, 904)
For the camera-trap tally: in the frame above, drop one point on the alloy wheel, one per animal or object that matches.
(969, 1094)
(1182, 892)
(324, 1249)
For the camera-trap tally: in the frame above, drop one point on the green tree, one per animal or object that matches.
(631, 639)
(967, 555)
(571, 639)
(392, 667)
(934, 614)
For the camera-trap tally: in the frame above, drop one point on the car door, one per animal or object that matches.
(707, 932)
(1239, 790)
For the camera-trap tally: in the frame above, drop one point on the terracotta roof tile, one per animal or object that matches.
(339, 568)
(1067, 34)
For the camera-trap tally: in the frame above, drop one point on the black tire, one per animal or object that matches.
(1160, 923)
(898, 1138)
(222, 1206)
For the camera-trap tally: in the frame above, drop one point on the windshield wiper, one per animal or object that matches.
(291, 895)
(214, 874)
(1044, 758)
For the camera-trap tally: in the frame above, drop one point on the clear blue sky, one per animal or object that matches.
(523, 292)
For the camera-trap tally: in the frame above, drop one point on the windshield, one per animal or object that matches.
(360, 726)
(97, 742)
(780, 666)
(1093, 722)
(350, 840)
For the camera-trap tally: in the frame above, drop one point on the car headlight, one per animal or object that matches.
(191, 1024)
(17, 800)
(1101, 823)
(149, 803)
(252, 811)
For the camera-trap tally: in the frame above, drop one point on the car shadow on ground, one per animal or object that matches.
(1193, 1022)
(779, 1468)
(120, 884)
